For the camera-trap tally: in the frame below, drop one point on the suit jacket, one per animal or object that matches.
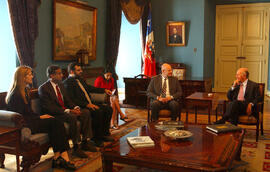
(49, 101)
(17, 104)
(252, 94)
(155, 87)
(75, 92)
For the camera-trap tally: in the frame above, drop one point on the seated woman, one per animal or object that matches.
(18, 101)
(106, 81)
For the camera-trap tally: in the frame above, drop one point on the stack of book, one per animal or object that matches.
(221, 128)
(140, 141)
(169, 125)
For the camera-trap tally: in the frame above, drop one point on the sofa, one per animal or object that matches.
(31, 146)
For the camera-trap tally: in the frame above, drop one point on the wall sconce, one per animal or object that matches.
(83, 57)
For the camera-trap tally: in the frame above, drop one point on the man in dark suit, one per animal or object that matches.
(163, 90)
(243, 97)
(54, 100)
(79, 91)
(175, 38)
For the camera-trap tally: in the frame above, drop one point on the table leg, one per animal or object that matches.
(209, 112)
(108, 166)
(17, 153)
(196, 110)
(216, 113)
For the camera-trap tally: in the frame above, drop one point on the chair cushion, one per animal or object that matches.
(164, 112)
(41, 138)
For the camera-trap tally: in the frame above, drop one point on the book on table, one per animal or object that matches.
(221, 128)
(140, 141)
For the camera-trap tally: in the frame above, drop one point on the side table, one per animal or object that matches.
(202, 99)
(8, 135)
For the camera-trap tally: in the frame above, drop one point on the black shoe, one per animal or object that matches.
(87, 146)
(221, 121)
(98, 142)
(125, 119)
(107, 139)
(61, 163)
(79, 153)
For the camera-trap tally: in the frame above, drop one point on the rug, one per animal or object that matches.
(255, 156)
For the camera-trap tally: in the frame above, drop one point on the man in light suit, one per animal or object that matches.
(243, 96)
(54, 100)
(163, 90)
(79, 92)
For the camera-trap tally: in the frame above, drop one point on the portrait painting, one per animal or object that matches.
(74, 30)
(175, 33)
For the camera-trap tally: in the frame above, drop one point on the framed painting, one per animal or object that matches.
(74, 30)
(175, 33)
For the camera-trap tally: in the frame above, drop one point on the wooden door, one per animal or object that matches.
(255, 42)
(245, 44)
(228, 45)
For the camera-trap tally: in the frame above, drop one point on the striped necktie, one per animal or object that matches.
(164, 88)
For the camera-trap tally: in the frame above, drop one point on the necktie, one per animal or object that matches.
(164, 88)
(59, 97)
(241, 93)
(84, 91)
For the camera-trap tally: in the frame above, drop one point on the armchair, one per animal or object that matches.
(251, 120)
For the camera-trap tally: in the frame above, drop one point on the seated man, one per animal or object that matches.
(243, 96)
(163, 90)
(54, 100)
(79, 92)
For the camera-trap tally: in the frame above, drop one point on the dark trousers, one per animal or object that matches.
(156, 106)
(101, 121)
(74, 129)
(86, 124)
(55, 130)
(234, 110)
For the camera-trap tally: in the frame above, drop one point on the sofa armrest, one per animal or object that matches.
(99, 97)
(11, 119)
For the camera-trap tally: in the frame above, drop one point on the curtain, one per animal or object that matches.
(114, 16)
(24, 20)
(133, 9)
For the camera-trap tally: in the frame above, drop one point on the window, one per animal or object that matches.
(129, 55)
(7, 48)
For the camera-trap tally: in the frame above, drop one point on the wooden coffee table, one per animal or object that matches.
(204, 151)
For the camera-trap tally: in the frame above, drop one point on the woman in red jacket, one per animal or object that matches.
(106, 81)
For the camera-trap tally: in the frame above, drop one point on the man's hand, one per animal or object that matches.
(164, 100)
(236, 82)
(92, 106)
(249, 109)
(76, 111)
(108, 92)
(45, 116)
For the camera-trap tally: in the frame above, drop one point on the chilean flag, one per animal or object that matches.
(149, 60)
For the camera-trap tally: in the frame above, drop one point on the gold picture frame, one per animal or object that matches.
(74, 30)
(175, 33)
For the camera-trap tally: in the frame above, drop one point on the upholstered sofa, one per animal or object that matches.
(31, 146)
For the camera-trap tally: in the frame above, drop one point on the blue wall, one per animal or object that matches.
(44, 42)
(191, 12)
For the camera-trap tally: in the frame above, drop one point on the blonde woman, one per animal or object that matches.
(18, 101)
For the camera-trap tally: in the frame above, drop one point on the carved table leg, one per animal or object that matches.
(2, 159)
